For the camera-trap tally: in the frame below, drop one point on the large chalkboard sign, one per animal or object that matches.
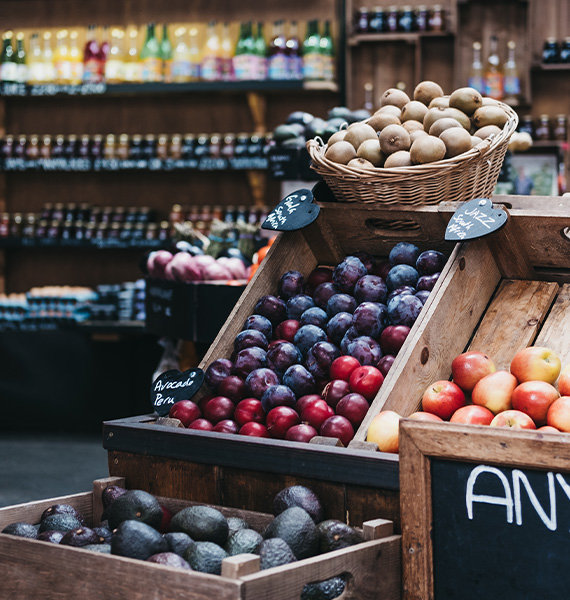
(485, 513)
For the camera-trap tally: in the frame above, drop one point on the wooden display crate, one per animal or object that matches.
(33, 569)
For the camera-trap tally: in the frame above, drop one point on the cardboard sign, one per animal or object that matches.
(475, 219)
(294, 212)
(172, 386)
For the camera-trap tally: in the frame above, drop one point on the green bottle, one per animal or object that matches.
(242, 62)
(150, 57)
(8, 66)
(327, 53)
(312, 57)
(260, 47)
(166, 55)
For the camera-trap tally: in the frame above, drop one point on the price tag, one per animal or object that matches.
(475, 219)
(172, 386)
(294, 212)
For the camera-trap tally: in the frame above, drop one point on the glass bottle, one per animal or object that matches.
(512, 82)
(75, 59)
(22, 67)
(58, 147)
(243, 53)
(188, 146)
(162, 147)
(312, 58)
(436, 19)
(8, 66)
(8, 146)
(542, 131)
(35, 61)
(166, 55)
(422, 18)
(226, 54)
(211, 60)
(97, 146)
(392, 19)
(327, 53)
(561, 128)
(493, 72)
(565, 51)
(550, 51)
(175, 151)
(476, 78)
(61, 57)
(377, 21)
(135, 147)
(132, 68)
(84, 150)
(20, 147)
(294, 59)
(227, 150)
(260, 49)
(109, 148)
(104, 47)
(194, 54)
(122, 150)
(149, 146)
(115, 63)
(92, 71)
(47, 57)
(181, 70)
(70, 148)
(277, 54)
(361, 21)
(33, 148)
(150, 57)
(527, 126)
(406, 20)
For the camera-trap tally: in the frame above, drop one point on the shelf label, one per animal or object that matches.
(475, 219)
(173, 386)
(294, 212)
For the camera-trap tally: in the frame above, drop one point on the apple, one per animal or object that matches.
(254, 430)
(201, 424)
(301, 433)
(366, 381)
(468, 368)
(185, 411)
(316, 413)
(564, 381)
(226, 426)
(383, 431)
(559, 414)
(339, 427)
(393, 337)
(534, 398)
(218, 409)
(305, 401)
(548, 429)
(280, 419)
(494, 391)
(248, 410)
(443, 398)
(354, 407)
(536, 363)
(286, 330)
(334, 391)
(343, 366)
(513, 418)
(472, 414)
(425, 416)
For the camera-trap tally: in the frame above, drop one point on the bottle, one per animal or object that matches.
(406, 20)
(35, 62)
(61, 58)
(115, 63)
(47, 57)
(244, 53)
(75, 60)
(312, 58)
(9, 68)
(560, 131)
(166, 55)
(132, 69)
(277, 61)
(436, 19)
(392, 19)
(327, 53)
(226, 54)
(22, 67)
(260, 49)
(512, 82)
(181, 68)
(551, 51)
(368, 97)
(361, 21)
(150, 57)
(493, 72)
(377, 21)
(194, 55)
(565, 51)
(104, 47)
(92, 72)
(211, 61)
(476, 78)
(294, 59)
(542, 131)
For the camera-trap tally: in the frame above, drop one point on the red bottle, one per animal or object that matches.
(92, 64)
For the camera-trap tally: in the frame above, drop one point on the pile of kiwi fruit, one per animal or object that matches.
(405, 132)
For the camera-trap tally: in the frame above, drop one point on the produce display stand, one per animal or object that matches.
(32, 569)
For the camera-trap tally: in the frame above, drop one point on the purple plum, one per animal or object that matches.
(281, 356)
(404, 253)
(340, 303)
(314, 316)
(370, 318)
(430, 262)
(322, 294)
(299, 380)
(290, 284)
(423, 295)
(405, 289)
(338, 326)
(347, 273)
(307, 336)
(427, 282)
(370, 288)
(350, 335)
(404, 310)
(401, 275)
(249, 359)
(272, 308)
(217, 371)
(316, 277)
(277, 395)
(319, 359)
(260, 323)
(297, 305)
(366, 259)
(366, 350)
(250, 338)
(259, 380)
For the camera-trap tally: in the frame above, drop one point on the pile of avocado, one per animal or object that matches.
(200, 537)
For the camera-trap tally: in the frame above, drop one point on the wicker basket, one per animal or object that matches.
(472, 174)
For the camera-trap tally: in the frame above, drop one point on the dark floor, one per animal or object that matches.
(36, 466)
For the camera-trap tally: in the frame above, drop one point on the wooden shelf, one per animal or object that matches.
(553, 67)
(43, 243)
(411, 38)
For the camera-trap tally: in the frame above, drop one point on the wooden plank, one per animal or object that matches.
(363, 504)
(513, 319)
(377, 528)
(238, 566)
(325, 244)
(99, 485)
(554, 332)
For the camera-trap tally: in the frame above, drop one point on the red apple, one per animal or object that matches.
(185, 411)
(494, 391)
(468, 368)
(301, 433)
(385, 364)
(548, 429)
(534, 398)
(513, 418)
(564, 381)
(280, 419)
(393, 338)
(254, 430)
(218, 409)
(337, 427)
(425, 416)
(536, 363)
(232, 387)
(226, 426)
(286, 330)
(343, 366)
(316, 413)
(201, 424)
(248, 410)
(559, 414)
(472, 415)
(334, 391)
(366, 381)
(354, 407)
(443, 398)
(166, 517)
(304, 401)
(383, 431)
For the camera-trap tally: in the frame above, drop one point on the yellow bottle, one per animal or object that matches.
(47, 59)
(212, 59)
(61, 58)
(115, 64)
(75, 59)
(132, 67)
(35, 61)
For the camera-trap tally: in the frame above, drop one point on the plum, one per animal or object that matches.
(404, 253)
(350, 335)
(272, 308)
(297, 305)
(370, 318)
(423, 295)
(259, 380)
(366, 350)
(319, 359)
(314, 316)
(260, 323)
(290, 284)
(299, 380)
(381, 269)
(430, 262)
(366, 259)
(281, 356)
(287, 329)
(322, 294)
(385, 364)
(401, 275)
(217, 371)
(277, 395)
(340, 303)
(405, 289)
(347, 273)
(250, 338)
(404, 310)
(427, 282)
(393, 338)
(370, 288)
(338, 326)
(316, 277)
(307, 336)
(249, 359)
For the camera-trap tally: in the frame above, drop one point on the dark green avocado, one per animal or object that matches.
(60, 522)
(244, 541)
(334, 535)
(206, 557)
(274, 552)
(178, 542)
(84, 536)
(63, 509)
(20, 529)
(202, 524)
(137, 540)
(134, 505)
(295, 526)
(169, 559)
(301, 496)
(324, 590)
(235, 524)
(54, 537)
(111, 493)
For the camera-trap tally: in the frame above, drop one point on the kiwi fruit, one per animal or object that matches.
(466, 99)
(442, 124)
(426, 91)
(489, 115)
(382, 119)
(414, 111)
(486, 131)
(395, 97)
(433, 114)
(360, 163)
(427, 149)
(456, 140)
(414, 135)
(336, 137)
(342, 152)
(439, 102)
(396, 111)
(370, 151)
(398, 159)
(489, 101)
(410, 126)
(394, 138)
(358, 132)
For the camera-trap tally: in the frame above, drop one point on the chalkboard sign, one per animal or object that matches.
(294, 212)
(485, 512)
(475, 219)
(173, 386)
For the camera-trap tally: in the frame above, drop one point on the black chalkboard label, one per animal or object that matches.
(294, 212)
(475, 219)
(172, 386)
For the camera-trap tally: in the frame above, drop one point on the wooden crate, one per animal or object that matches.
(34, 569)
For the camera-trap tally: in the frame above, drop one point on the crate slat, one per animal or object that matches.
(554, 332)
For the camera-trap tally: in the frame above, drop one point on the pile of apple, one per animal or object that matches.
(524, 398)
(310, 360)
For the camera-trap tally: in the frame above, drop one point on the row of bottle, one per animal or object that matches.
(554, 52)
(218, 58)
(405, 20)
(544, 128)
(201, 216)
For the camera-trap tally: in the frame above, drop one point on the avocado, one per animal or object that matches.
(284, 132)
(295, 526)
(339, 112)
(299, 116)
(244, 541)
(202, 524)
(235, 524)
(206, 557)
(274, 552)
(63, 509)
(298, 495)
(336, 122)
(137, 540)
(102, 548)
(315, 128)
(20, 529)
(169, 559)
(324, 590)
(110, 494)
(60, 522)
(295, 143)
(51, 536)
(134, 505)
(104, 533)
(334, 535)
(178, 542)
(360, 114)
(84, 536)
